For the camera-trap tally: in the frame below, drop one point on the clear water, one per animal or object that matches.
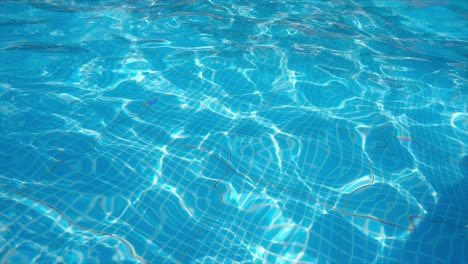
(233, 131)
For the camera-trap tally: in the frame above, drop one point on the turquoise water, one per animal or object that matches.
(233, 131)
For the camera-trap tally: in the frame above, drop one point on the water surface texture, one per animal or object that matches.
(223, 131)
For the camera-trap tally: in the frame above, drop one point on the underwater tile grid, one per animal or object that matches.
(243, 131)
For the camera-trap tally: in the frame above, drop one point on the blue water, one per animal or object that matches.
(233, 131)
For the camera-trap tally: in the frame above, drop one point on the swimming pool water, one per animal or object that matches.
(233, 131)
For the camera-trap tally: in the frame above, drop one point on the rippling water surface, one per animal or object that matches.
(233, 131)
